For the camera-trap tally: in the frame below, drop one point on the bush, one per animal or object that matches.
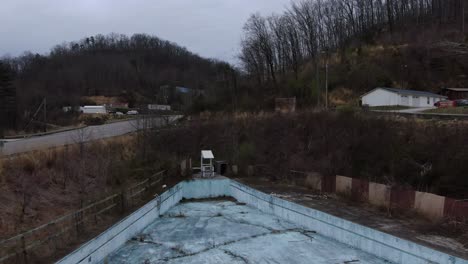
(423, 154)
(347, 109)
(95, 120)
(246, 153)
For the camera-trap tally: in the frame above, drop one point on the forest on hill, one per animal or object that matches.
(133, 68)
(353, 46)
(415, 44)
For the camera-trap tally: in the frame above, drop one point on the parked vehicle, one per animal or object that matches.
(445, 104)
(132, 112)
(461, 102)
(119, 113)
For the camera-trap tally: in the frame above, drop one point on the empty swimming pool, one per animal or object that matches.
(243, 225)
(229, 232)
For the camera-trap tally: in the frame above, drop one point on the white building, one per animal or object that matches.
(391, 96)
(156, 107)
(93, 109)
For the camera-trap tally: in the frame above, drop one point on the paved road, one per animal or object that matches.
(82, 135)
(415, 110)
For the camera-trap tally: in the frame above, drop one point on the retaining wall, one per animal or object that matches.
(344, 185)
(366, 239)
(430, 205)
(379, 194)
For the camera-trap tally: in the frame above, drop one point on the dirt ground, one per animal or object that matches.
(445, 236)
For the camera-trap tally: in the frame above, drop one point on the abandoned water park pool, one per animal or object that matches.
(219, 220)
(226, 232)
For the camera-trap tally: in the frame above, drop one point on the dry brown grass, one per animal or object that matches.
(101, 100)
(42, 185)
(39, 186)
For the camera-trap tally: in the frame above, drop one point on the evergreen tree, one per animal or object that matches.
(7, 99)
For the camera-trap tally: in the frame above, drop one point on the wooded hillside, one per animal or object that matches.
(112, 65)
(406, 43)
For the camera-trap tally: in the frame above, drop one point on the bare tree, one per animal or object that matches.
(278, 43)
(259, 36)
(81, 137)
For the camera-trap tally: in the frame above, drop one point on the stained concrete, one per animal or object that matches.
(344, 232)
(229, 232)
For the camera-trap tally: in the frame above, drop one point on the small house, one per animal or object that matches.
(392, 97)
(159, 107)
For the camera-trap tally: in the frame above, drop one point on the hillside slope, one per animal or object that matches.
(414, 44)
(113, 65)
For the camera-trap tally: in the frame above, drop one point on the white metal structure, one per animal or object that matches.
(390, 96)
(93, 109)
(159, 107)
(206, 163)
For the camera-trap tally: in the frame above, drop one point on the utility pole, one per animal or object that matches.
(317, 74)
(45, 114)
(326, 84)
(463, 16)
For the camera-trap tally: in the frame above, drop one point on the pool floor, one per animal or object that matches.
(229, 232)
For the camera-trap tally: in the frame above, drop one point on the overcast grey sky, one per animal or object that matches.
(211, 28)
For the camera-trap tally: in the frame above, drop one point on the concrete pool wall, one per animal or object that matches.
(377, 243)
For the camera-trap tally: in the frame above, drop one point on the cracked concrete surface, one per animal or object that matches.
(227, 232)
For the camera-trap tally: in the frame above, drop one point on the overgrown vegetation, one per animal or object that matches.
(462, 110)
(361, 44)
(95, 120)
(364, 44)
(426, 155)
(40, 186)
(132, 68)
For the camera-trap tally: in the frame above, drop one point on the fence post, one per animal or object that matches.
(95, 213)
(148, 186)
(122, 202)
(23, 245)
(54, 239)
(78, 218)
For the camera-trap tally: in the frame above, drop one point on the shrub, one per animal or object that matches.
(246, 153)
(95, 120)
(347, 109)
(424, 154)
